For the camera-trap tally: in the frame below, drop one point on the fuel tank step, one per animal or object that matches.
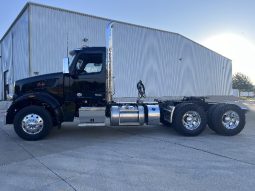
(91, 124)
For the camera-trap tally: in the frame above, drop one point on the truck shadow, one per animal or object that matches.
(75, 132)
(73, 138)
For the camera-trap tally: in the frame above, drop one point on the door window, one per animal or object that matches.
(89, 63)
(93, 68)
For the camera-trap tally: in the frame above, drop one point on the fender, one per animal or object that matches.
(35, 98)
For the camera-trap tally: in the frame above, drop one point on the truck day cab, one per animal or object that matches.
(85, 89)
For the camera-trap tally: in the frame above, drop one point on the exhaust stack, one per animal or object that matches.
(109, 66)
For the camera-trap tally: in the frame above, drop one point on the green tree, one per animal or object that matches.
(242, 82)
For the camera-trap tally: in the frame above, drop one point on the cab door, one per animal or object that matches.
(89, 82)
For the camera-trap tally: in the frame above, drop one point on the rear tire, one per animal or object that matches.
(210, 114)
(228, 120)
(32, 123)
(189, 119)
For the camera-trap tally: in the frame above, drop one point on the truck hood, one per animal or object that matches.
(52, 83)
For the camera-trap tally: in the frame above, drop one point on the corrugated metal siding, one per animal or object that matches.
(21, 48)
(15, 51)
(51, 29)
(167, 63)
(1, 74)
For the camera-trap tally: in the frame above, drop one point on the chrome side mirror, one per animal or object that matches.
(66, 66)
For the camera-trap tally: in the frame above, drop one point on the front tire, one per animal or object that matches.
(32, 123)
(189, 119)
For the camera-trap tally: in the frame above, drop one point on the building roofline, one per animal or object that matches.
(96, 17)
(15, 20)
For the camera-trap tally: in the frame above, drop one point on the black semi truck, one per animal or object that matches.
(85, 89)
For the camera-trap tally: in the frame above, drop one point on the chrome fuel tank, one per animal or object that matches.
(127, 115)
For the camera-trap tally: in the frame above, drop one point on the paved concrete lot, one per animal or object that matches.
(131, 158)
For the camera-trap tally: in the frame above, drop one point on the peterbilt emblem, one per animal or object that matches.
(98, 95)
(41, 84)
(79, 94)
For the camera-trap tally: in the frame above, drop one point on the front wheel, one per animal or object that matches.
(189, 119)
(32, 123)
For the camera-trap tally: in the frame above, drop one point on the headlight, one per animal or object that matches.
(9, 97)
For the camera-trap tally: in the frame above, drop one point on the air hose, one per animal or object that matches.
(141, 89)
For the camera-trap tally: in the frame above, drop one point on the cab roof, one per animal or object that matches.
(86, 49)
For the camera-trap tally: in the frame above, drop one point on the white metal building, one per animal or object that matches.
(41, 36)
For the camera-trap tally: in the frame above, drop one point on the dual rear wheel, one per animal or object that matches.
(225, 119)
(189, 119)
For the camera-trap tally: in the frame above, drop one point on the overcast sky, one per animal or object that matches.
(226, 26)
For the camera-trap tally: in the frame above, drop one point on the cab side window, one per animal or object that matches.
(89, 63)
(93, 68)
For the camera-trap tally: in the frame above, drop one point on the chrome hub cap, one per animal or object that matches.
(32, 124)
(230, 119)
(191, 120)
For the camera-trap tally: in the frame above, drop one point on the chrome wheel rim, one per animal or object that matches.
(191, 120)
(32, 124)
(230, 120)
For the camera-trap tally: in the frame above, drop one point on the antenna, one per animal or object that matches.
(67, 44)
